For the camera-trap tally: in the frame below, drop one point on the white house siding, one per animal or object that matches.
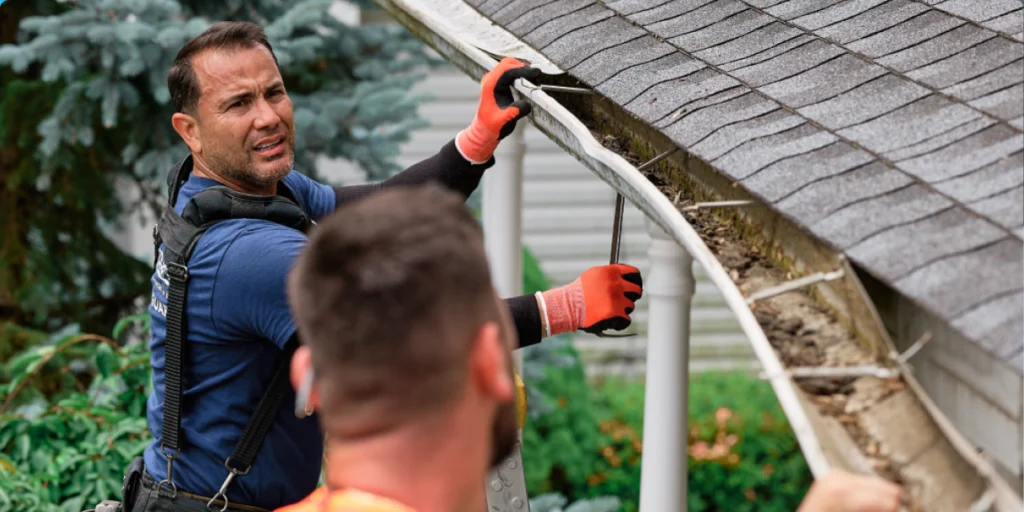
(567, 219)
(979, 393)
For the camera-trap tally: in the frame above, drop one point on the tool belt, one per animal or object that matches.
(142, 493)
(186, 502)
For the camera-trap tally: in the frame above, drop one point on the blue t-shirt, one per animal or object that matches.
(238, 322)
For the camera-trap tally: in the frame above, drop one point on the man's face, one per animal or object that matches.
(505, 430)
(246, 128)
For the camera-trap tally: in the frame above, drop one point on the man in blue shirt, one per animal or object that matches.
(235, 115)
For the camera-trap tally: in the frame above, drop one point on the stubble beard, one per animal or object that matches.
(246, 171)
(505, 432)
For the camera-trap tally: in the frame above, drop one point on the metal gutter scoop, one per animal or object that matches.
(620, 203)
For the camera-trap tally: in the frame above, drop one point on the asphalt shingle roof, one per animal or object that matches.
(891, 129)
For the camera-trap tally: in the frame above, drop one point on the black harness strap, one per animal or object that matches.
(180, 234)
(245, 451)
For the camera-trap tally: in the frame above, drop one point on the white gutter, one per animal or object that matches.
(451, 25)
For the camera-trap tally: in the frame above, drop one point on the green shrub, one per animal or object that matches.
(743, 455)
(72, 416)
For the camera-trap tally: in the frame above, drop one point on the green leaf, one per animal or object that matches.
(22, 448)
(106, 360)
(74, 504)
(123, 323)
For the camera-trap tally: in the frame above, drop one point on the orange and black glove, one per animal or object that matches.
(498, 112)
(601, 298)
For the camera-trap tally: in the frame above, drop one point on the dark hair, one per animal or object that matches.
(389, 295)
(182, 81)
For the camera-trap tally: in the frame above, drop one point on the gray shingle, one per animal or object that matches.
(835, 14)
(988, 83)
(703, 101)
(816, 199)
(603, 65)
(868, 101)
(627, 85)
(696, 19)
(976, 10)
(732, 135)
(937, 48)
(911, 124)
(977, 323)
(763, 4)
(1011, 23)
(545, 13)
(1019, 123)
(490, 6)
(570, 49)
(873, 21)
(665, 98)
(753, 43)
(824, 81)
(788, 64)
(769, 53)
(987, 181)
(559, 27)
(697, 125)
(752, 156)
(896, 252)
(970, 63)
(966, 155)
(796, 8)
(954, 285)
(1006, 104)
(514, 9)
(853, 222)
(1008, 340)
(943, 139)
(1006, 208)
(906, 34)
(724, 31)
(475, 3)
(784, 177)
(666, 11)
(631, 6)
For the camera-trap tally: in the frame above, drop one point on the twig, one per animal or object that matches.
(131, 364)
(60, 348)
(841, 372)
(915, 348)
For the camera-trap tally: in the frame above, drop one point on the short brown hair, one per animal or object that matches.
(182, 81)
(389, 295)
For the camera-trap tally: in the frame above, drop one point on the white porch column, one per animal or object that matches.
(668, 288)
(502, 207)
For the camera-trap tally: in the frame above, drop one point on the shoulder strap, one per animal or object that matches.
(248, 446)
(179, 238)
(177, 177)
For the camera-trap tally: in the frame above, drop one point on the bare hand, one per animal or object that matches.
(840, 491)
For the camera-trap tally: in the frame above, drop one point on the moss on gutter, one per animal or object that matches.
(788, 246)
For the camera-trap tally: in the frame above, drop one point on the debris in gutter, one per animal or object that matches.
(828, 364)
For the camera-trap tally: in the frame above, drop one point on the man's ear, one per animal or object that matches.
(302, 369)
(490, 364)
(188, 128)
